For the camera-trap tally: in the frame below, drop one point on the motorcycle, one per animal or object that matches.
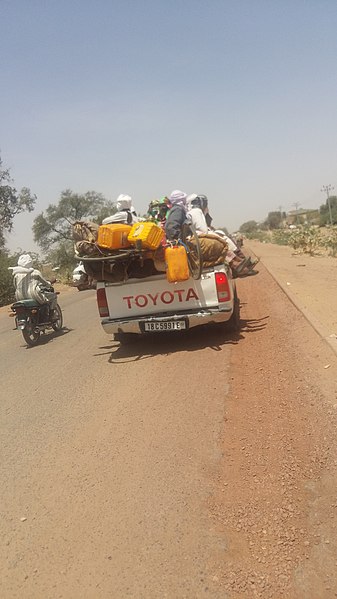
(32, 319)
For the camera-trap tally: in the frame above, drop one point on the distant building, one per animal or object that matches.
(302, 216)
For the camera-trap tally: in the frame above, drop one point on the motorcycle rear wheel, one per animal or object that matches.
(58, 321)
(30, 336)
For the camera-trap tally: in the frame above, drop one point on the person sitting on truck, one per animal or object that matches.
(196, 213)
(240, 265)
(158, 211)
(199, 213)
(125, 214)
(177, 215)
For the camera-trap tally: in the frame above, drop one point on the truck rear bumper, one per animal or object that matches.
(136, 325)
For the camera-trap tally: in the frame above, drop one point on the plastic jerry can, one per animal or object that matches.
(176, 264)
(113, 236)
(149, 234)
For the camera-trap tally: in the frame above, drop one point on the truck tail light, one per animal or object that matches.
(222, 287)
(102, 303)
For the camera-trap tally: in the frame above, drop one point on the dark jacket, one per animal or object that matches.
(174, 222)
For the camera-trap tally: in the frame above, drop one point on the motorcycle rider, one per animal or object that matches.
(30, 284)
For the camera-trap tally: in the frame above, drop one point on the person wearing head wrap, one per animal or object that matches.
(177, 215)
(126, 213)
(201, 219)
(196, 213)
(30, 284)
(158, 210)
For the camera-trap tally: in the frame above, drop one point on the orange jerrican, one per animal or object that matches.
(113, 236)
(148, 233)
(176, 264)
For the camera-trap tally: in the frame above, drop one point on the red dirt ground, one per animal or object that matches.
(276, 499)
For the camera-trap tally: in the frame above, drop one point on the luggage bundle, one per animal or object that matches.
(214, 249)
(118, 251)
(90, 238)
(85, 235)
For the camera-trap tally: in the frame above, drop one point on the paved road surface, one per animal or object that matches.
(181, 467)
(107, 453)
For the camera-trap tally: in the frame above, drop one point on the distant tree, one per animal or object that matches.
(53, 227)
(6, 285)
(62, 256)
(324, 213)
(313, 217)
(274, 219)
(12, 202)
(248, 227)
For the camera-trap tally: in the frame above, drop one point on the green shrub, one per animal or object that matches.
(281, 237)
(306, 240)
(259, 236)
(330, 241)
(6, 285)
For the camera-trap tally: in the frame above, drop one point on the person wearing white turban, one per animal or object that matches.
(30, 284)
(196, 213)
(126, 213)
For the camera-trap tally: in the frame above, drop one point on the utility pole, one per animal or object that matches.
(296, 205)
(281, 219)
(326, 189)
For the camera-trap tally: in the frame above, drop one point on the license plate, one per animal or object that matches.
(169, 325)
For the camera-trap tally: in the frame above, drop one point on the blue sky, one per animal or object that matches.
(233, 99)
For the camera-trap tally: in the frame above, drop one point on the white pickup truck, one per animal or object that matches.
(153, 304)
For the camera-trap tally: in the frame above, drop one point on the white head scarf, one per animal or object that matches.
(124, 202)
(25, 260)
(25, 265)
(190, 199)
(178, 198)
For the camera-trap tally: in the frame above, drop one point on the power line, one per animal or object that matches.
(326, 189)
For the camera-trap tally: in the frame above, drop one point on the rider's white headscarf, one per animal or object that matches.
(25, 260)
(178, 198)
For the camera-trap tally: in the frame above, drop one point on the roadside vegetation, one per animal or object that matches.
(306, 231)
(52, 229)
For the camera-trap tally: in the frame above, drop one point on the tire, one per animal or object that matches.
(30, 336)
(58, 322)
(233, 325)
(191, 241)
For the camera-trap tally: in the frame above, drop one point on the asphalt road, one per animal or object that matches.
(108, 453)
(184, 466)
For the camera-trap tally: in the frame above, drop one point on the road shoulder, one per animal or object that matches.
(308, 281)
